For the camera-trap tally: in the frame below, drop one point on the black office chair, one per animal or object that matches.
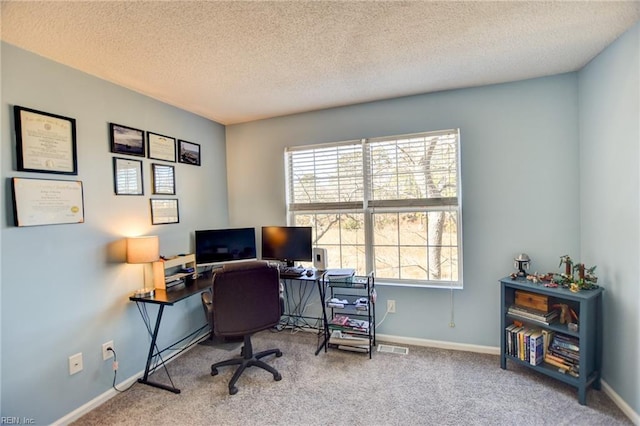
(245, 300)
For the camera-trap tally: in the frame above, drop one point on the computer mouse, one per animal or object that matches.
(309, 272)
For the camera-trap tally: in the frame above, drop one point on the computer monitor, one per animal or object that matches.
(215, 246)
(287, 243)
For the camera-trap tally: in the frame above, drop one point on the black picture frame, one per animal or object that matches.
(161, 147)
(127, 176)
(45, 142)
(164, 211)
(163, 179)
(47, 201)
(188, 153)
(127, 140)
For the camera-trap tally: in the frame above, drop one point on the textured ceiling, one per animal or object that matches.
(240, 61)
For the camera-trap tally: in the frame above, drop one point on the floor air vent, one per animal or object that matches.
(390, 349)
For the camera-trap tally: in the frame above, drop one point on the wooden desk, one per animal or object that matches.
(168, 298)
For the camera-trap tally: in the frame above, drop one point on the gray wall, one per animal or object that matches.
(519, 162)
(61, 292)
(532, 173)
(609, 201)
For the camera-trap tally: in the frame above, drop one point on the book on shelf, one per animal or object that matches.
(340, 273)
(340, 320)
(547, 335)
(342, 276)
(339, 338)
(533, 315)
(363, 349)
(535, 348)
(566, 342)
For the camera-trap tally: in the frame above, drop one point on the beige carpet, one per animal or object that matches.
(426, 387)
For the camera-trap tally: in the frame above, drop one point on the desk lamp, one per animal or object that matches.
(144, 250)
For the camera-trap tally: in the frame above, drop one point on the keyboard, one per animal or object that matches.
(291, 271)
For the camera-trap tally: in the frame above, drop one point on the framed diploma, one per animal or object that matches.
(161, 147)
(164, 211)
(127, 176)
(164, 181)
(189, 153)
(45, 142)
(46, 201)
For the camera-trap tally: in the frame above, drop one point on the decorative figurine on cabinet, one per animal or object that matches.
(521, 263)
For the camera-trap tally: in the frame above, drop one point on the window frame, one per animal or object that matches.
(368, 207)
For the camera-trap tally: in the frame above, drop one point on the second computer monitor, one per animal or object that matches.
(287, 244)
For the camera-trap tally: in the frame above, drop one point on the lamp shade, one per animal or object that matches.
(143, 249)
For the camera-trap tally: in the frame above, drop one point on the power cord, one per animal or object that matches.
(115, 372)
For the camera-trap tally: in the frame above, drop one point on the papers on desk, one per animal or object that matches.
(340, 273)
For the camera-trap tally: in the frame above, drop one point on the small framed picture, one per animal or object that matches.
(127, 140)
(189, 153)
(164, 210)
(161, 147)
(45, 142)
(164, 180)
(127, 176)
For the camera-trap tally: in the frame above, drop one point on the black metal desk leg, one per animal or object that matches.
(154, 337)
(325, 325)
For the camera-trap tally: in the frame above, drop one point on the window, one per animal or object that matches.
(388, 205)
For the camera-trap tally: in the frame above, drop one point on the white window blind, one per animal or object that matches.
(388, 205)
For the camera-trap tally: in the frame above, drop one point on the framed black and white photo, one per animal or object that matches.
(45, 142)
(127, 140)
(46, 201)
(164, 180)
(189, 153)
(164, 210)
(161, 147)
(127, 176)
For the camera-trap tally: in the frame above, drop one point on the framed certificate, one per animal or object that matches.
(45, 142)
(46, 201)
(164, 181)
(161, 147)
(164, 210)
(127, 176)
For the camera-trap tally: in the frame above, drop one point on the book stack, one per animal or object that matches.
(347, 323)
(340, 276)
(533, 315)
(348, 342)
(564, 353)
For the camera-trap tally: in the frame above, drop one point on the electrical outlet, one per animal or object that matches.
(391, 306)
(106, 354)
(75, 363)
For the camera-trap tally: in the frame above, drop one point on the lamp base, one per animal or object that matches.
(145, 292)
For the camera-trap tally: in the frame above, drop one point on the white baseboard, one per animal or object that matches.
(104, 397)
(617, 400)
(493, 350)
(622, 405)
(96, 402)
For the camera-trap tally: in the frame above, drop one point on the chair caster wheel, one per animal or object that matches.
(233, 390)
(277, 377)
(278, 354)
(214, 371)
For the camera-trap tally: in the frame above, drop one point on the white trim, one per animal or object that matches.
(111, 392)
(621, 403)
(493, 350)
(97, 401)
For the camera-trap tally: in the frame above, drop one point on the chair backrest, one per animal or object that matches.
(246, 298)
